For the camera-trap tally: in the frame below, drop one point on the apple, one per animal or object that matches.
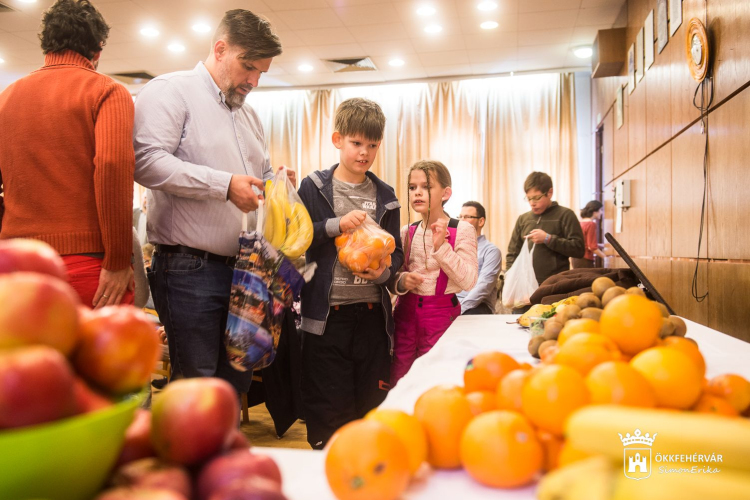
(36, 386)
(32, 256)
(37, 309)
(137, 439)
(238, 441)
(153, 473)
(87, 399)
(249, 488)
(237, 464)
(140, 494)
(194, 419)
(118, 349)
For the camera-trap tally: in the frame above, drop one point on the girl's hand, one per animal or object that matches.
(410, 281)
(439, 228)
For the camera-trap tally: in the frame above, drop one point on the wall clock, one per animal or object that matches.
(697, 49)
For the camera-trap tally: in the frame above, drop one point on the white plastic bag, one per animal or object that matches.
(520, 280)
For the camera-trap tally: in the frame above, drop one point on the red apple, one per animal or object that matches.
(137, 439)
(37, 309)
(36, 386)
(87, 399)
(140, 494)
(31, 256)
(237, 464)
(118, 349)
(153, 473)
(249, 488)
(194, 419)
(238, 441)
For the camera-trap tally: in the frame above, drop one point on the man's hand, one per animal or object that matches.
(537, 236)
(351, 220)
(439, 229)
(371, 274)
(241, 192)
(112, 286)
(291, 175)
(410, 281)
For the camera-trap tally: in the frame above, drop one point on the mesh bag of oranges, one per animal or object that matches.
(368, 246)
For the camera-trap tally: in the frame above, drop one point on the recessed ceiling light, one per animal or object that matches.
(583, 52)
(433, 28)
(305, 68)
(176, 47)
(485, 6)
(488, 25)
(426, 10)
(396, 62)
(2, 60)
(27, 1)
(150, 32)
(201, 27)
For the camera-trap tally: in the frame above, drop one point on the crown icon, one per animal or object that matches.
(637, 438)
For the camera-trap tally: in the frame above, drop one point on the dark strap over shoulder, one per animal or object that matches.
(416, 224)
(453, 223)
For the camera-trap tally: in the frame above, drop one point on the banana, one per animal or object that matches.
(275, 232)
(300, 234)
(596, 429)
(589, 479)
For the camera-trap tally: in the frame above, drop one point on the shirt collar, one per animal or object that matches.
(480, 238)
(208, 80)
(67, 58)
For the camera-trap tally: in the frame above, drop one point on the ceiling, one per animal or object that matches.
(532, 35)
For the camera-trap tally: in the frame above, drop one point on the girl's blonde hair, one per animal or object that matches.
(432, 169)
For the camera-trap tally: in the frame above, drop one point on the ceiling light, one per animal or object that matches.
(176, 47)
(305, 68)
(2, 60)
(433, 28)
(583, 52)
(27, 1)
(396, 62)
(426, 10)
(485, 6)
(150, 32)
(488, 25)
(201, 28)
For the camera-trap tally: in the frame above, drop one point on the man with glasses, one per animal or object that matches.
(554, 230)
(482, 298)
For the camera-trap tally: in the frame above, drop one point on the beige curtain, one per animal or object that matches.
(490, 133)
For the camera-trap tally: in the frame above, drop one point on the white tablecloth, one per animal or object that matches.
(303, 470)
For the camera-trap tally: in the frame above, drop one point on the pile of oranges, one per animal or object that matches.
(364, 248)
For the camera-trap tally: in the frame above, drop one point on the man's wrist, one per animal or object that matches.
(547, 239)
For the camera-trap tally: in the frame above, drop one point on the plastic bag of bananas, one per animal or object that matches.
(287, 224)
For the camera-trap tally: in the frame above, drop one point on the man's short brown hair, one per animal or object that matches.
(360, 117)
(250, 33)
(538, 180)
(73, 25)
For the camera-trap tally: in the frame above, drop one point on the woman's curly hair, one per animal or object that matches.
(73, 25)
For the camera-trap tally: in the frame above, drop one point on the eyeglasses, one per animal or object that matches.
(534, 198)
(468, 217)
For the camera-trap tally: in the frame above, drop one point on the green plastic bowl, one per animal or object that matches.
(64, 460)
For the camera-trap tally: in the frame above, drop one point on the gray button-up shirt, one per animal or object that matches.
(188, 144)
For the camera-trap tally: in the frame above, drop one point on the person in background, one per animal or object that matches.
(203, 155)
(591, 213)
(553, 230)
(66, 156)
(482, 298)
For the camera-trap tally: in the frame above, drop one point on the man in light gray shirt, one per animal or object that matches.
(203, 156)
(483, 297)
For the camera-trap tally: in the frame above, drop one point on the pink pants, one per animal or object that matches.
(420, 322)
(83, 276)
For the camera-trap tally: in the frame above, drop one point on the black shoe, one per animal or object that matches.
(159, 383)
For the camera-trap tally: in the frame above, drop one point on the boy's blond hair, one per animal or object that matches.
(360, 117)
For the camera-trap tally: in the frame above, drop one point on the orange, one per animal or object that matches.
(618, 383)
(632, 321)
(709, 403)
(549, 353)
(525, 366)
(500, 449)
(551, 394)
(485, 370)
(481, 401)
(408, 429)
(375, 264)
(688, 347)
(388, 260)
(672, 374)
(444, 413)
(358, 261)
(375, 247)
(568, 455)
(390, 244)
(552, 445)
(341, 240)
(366, 460)
(574, 326)
(586, 350)
(344, 254)
(508, 395)
(733, 388)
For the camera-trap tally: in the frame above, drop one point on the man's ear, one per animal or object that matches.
(96, 56)
(221, 49)
(447, 193)
(551, 192)
(338, 140)
(481, 222)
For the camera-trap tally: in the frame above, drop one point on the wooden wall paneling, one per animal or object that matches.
(603, 95)
(682, 84)
(729, 24)
(659, 273)
(687, 189)
(729, 292)
(608, 140)
(682, 300)
(634, 220)
(620, 147)
(608, 221)
(637, 124)
(658, 101)
(729, 150)
(659, 203)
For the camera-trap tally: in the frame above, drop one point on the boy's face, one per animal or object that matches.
(356, 154)
(539, 201)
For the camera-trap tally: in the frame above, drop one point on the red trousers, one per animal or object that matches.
(83, 276)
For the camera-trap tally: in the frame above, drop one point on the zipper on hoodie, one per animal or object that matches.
(390, 337)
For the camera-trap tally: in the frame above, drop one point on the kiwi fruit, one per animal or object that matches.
(572, 311)
(611, 293)
(667, 328)
(592, 313)
(601, 285)
(634, 290)
(680, 328)
(663, 309)
(534, 344)
(588, 300)
(546, 344)
(552, 329)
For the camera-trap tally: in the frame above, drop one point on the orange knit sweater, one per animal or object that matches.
(66, 160)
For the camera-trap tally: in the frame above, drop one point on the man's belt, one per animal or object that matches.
(162, 249)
